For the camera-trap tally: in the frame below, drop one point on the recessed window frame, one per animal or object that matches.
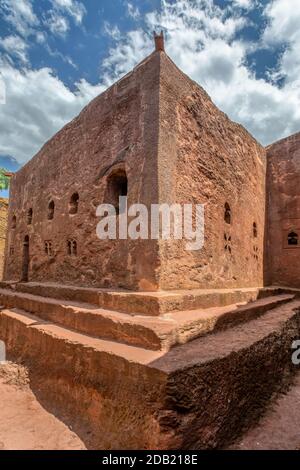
(293, 239)
(29, 216)
(48, 248)
(285, 237)
(116, 187)
(74, 204)
(72, 247)
(254, 230)
(227, 214)
(51, 210)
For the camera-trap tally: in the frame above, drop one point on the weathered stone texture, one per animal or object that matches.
(197, 396)
(189, 368)
(116, 130)
(204, 158)
(175, 147)
(283, 201)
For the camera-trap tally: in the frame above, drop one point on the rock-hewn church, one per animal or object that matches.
(141, 343)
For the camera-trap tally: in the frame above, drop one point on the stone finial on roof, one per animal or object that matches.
(159, 41)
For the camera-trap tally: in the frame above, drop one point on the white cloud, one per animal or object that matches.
(202, 40)
(15, 47)
(247, 4)
(41, 37)
(200, 37)
(73, 8)
(20, 14)
(63, 57)
(133, 11)
(128, 52)
(284, 27)
(284, 21)
(57, 18)
(57, 24)
(37, 105)
(112, 31)
(2, 91)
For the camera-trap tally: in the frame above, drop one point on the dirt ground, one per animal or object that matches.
(24, 423)
(279, 428)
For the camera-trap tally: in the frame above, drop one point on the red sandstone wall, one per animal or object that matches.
(118, 127)
(206, 158)
(176, 146)
(283, 199)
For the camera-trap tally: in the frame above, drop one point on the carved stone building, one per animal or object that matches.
(283, 209)
(157, 137)
(141, 343)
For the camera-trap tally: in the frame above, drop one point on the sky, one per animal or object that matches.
(56, 55)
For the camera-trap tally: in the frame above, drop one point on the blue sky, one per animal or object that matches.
(56, 55)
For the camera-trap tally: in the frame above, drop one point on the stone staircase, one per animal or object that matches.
(149, 332)
(169, 370)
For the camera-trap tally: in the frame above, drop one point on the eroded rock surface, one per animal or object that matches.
(24, 423)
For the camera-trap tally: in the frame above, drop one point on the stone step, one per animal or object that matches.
(159, 303)
(90, 319)
(144, 303)
(154, 333)
(237, 371)
(55, 291)
(200, 395)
